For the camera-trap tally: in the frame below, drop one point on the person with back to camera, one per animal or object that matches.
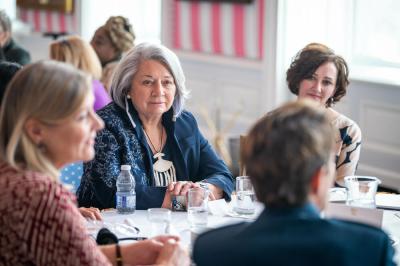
(9, 49)
(77, 52)
(147, 128)
(110, 42)
(40, 223)
(297, 142)
(319, 74)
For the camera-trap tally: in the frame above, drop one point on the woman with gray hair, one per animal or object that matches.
(147, 128)
(9, 49)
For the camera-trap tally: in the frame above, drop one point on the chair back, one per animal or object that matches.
(71, 176)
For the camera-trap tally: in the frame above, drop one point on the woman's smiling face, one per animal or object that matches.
(320, 86)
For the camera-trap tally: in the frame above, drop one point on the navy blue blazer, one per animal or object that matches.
(121, 143)
(296, 236)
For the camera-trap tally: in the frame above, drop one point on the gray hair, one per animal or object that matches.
(129, 66)
(5, 22)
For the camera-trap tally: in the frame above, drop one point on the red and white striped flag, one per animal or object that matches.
(220, 28)
(49, 21)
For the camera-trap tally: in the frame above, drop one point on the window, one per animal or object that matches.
(145, 17)
(365, 32)
(376, 33)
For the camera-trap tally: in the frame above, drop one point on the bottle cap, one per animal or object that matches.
(125, 167)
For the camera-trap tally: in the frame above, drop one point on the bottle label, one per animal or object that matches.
(126, 201)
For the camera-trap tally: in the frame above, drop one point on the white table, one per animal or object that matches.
(180, 225)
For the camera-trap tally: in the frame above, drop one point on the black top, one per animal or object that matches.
(12, 52)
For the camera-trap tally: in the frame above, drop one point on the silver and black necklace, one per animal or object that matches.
(164, 170)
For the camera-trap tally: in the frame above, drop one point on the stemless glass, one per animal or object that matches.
(245, 196)
(160, 220)
(198, 207)
(361, 190)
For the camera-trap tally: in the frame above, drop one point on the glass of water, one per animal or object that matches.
(245, 196)
(160, 220)
(198, 207)
(361, 190)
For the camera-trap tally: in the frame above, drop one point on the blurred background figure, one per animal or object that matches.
(9, 49)
(289, 158)
(7, 72)
(50, 122)
(110, 41)
(77, 52)
(317, 73)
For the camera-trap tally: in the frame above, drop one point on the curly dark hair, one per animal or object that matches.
(283, 151)
(308, 60)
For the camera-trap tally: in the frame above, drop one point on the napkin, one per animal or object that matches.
(218, 207)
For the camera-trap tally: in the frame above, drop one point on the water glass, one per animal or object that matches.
(198, 207)
(245, 196)
(361, 190)
(160, 220)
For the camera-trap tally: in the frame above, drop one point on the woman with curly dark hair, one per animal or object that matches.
(319, 74)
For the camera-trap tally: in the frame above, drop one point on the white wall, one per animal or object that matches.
(235, 84)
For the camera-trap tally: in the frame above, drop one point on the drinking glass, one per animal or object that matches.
(198, 207)
(245, 196)
(361, 190)
(160, 220)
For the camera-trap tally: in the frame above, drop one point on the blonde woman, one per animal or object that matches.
(40, 223)
(110, 42)
(77, 52)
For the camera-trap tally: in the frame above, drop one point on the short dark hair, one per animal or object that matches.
(7, 72)
(5, 22)
(284, 149)
(308, 60)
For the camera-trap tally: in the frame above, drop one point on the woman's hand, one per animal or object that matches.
(175, 189)
(173, 254)
(162, 249)
(215, 192)
(91, 213)
(181, 187)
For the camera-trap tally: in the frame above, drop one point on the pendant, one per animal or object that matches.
(164, 170)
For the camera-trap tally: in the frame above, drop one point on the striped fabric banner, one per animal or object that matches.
(48, 21)
(219, 28)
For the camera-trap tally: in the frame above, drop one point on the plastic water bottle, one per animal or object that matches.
(126, 195)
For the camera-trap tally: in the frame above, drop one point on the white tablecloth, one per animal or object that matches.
(180, 225)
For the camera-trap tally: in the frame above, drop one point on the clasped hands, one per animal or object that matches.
(181, 188)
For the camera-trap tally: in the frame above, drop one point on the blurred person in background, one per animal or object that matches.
(110, 42)
(289, 158)
(317, 73)
(77, 52)
(48, 122)
(7, 72)
(9, 49)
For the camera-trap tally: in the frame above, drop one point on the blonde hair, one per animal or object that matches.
(77, 52)
(120, 32)
(47, 91)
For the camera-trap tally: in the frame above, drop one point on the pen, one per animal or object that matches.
(136, 238)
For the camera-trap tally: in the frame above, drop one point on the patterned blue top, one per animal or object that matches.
(121, 143)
